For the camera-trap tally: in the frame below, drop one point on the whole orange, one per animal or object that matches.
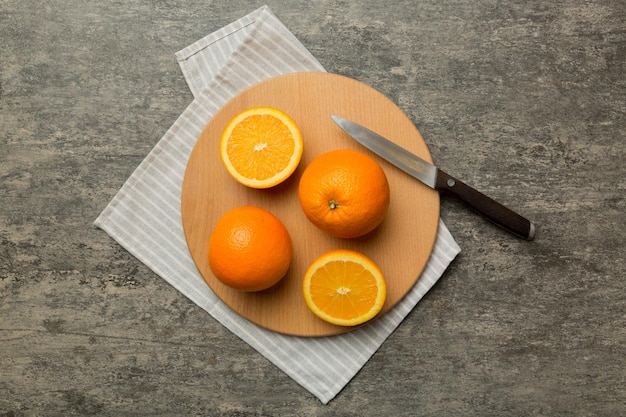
(249, 249)
(345, 193)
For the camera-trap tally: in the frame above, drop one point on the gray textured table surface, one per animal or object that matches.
(525, 100)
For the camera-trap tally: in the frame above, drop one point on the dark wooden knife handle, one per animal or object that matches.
(491, 209)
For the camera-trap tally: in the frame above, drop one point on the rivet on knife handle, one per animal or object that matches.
(491, 209)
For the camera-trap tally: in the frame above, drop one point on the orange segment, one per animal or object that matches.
(344, 287)
(261, 147)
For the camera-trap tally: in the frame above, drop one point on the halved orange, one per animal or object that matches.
(344, 287)
(261, 147)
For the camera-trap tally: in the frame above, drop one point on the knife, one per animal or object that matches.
(437, 179)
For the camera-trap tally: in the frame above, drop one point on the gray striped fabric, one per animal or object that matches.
(144, 216)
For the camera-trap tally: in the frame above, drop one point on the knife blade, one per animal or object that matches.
(437, 179)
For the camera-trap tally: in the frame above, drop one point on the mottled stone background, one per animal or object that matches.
(524, 100)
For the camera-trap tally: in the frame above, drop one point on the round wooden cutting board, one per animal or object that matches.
(400, 246)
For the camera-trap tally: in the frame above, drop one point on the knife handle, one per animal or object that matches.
(491, 209)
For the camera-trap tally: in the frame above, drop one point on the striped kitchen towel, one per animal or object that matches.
(144, 216)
